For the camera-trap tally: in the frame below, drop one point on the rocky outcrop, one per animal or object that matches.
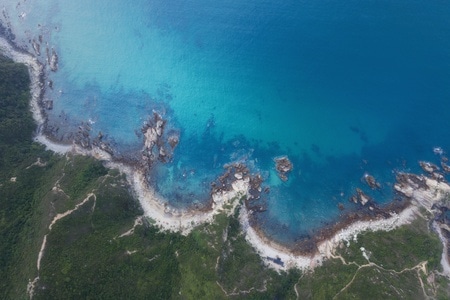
(371, 182)
(445, 167)
(102, 144)
(52, 59)
(36, 47)
(283, 166)
(428, 167)
(238, 172)
(361, 198)
(422, 190)
(158, 145)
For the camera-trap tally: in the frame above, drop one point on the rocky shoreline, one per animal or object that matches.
(234, 184)
(431, 195)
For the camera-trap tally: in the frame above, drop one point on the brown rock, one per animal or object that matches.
(283, 166)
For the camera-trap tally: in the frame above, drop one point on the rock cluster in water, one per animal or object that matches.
(361, 198)
(52, 59)
(431, 169)
(240, 172)
(158, 144)
(283, 166)
(372, 182)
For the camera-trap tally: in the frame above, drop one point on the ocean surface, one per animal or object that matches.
(343, 88)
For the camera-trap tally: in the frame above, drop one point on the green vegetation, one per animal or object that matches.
(87, 258)
(412, 244)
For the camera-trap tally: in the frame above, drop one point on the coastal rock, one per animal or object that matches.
(445, 167)
(52, 59)
(235, 173)
(173, 140)
(438, 150)
(371, 182)
(151, 137)
(361, 198)
(36, 47)
(82, 137)
(158, 145)
(425, 191)
(438, 176)
(283, 166)
(428, 167)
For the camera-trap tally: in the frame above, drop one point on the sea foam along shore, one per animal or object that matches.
(170, 219)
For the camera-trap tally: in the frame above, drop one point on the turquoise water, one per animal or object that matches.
(342, 87)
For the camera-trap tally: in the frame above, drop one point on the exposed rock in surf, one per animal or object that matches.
(36, 47)
(438, 150)
(158, 145)
(433, 170)
(173, 140)
(239, 172)
(407, 183)
(52, 59)
(438, 176)
(283, 166)
(445, 167)
(428, 167)
(361, 198)
(371, 182)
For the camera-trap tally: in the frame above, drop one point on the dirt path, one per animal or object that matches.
(32, 284)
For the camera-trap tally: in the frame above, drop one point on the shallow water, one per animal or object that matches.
(342, 87)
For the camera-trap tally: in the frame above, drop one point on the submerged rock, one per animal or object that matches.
(173, 140)
(283, 166)
(48, 104)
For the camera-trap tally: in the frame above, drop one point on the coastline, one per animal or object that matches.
(170, 219)
(270, 250)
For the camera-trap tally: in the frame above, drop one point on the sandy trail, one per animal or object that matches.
(32, 284)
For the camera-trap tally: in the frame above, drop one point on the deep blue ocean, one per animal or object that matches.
(341, 87)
